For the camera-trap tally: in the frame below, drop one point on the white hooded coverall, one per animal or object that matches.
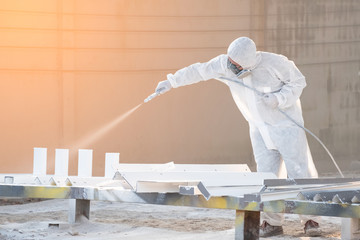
(275, 139)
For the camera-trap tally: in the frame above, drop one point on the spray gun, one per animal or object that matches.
(155, 94)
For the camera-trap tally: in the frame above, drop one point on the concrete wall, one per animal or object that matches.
(70, 67)
(323, 38)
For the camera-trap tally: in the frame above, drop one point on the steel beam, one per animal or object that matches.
(342, 196)
(247, 225)
(284, 193)
(350, 229)
(78, 209)
(246, 217)
(303, 181)
(175, 199)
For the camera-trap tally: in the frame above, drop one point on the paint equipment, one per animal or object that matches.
(155, 94)
(291, 119)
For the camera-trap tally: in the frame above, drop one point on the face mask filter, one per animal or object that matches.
(239, 73)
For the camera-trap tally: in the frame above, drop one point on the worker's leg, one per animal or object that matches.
(295, 151)
(266, 161)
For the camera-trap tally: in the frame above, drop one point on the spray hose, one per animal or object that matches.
(291, 119)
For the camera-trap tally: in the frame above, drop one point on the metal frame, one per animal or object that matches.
(208, 186)
(247, 213)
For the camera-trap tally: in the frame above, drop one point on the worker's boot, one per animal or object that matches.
(312, 228)
(267, 230)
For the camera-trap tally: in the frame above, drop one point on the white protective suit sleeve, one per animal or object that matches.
(198, 72)
(294, 83)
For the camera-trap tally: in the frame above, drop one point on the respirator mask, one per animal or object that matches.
(240, 73)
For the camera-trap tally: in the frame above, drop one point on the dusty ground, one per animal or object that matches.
(112, 220)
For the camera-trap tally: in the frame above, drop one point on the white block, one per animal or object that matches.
(40, 157)
(111, 163)
(61, 162)
(85, 162)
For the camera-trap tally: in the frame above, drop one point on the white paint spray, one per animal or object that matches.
(87, 140)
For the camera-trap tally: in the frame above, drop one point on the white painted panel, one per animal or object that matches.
(171, 167)
(111, 163)
(40, 157)
(85, 162)
(207, 178)
(61, 162)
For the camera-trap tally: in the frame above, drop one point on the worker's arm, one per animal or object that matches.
(294, 83)
(198, 72)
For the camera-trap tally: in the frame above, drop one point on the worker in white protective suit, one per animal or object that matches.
(275, 139)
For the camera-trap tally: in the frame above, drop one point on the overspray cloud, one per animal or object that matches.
(99, 133)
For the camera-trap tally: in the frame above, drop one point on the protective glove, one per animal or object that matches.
(163, 87)
(270, 100)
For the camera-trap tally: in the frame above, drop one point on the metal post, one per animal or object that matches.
(247, 225)
(78, 208)
(350, 228)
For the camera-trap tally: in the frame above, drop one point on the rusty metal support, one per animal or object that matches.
(247, 225)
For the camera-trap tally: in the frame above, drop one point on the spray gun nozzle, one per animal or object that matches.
(155, 94)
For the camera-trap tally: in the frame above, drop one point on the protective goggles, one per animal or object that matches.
(240, 73)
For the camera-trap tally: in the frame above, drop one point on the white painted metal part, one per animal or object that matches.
(40, 158)
(61, 162)
(230, 186)
(111, 164)
(85, 162)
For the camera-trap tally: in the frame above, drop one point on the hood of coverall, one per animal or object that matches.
(243, 51)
